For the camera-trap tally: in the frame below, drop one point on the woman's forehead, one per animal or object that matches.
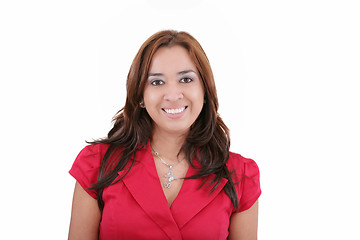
(175, 59)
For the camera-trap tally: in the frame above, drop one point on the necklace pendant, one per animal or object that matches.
(170, 176)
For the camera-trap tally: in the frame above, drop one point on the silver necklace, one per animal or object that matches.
(170, 175)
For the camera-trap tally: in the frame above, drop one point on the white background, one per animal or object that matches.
(287, 74)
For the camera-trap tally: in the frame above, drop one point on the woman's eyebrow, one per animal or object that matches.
(155, 74)
(179, 73)
(186, 71)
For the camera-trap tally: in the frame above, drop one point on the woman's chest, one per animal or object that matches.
(141, 211)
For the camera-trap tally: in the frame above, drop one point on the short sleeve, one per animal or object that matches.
(247, 180)
(250, 184)
(85, 168)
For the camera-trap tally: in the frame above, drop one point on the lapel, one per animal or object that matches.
(144, 185)
(193, 197)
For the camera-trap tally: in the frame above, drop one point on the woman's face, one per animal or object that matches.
(174, 92)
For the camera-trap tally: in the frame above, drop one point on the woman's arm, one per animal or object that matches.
(85, 216)
(243, 225)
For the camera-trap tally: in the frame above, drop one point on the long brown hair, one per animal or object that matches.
(208, 140)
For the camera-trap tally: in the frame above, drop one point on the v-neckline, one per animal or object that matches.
(148, 149)
(181, 187)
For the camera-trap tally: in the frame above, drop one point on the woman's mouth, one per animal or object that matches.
(174, 110)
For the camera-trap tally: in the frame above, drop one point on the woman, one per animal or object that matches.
(165, 170)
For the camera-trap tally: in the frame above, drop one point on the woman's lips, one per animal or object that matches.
(175, 113)
(174, 110)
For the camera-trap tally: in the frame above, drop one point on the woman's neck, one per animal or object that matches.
(167, 145)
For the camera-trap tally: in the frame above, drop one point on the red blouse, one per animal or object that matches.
(136, 207)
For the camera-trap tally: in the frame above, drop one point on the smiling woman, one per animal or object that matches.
(165, 166)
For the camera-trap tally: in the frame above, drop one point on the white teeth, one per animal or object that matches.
(174, 111)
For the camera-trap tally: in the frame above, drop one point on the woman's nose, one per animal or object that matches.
(173, 92)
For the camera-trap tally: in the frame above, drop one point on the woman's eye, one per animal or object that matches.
(157, 82)
(186, 80)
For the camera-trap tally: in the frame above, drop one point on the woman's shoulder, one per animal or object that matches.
(242, 165)
(91, 155)
(94, 149)
(237, 159)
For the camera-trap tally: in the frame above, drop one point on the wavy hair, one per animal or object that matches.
(208, 140)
